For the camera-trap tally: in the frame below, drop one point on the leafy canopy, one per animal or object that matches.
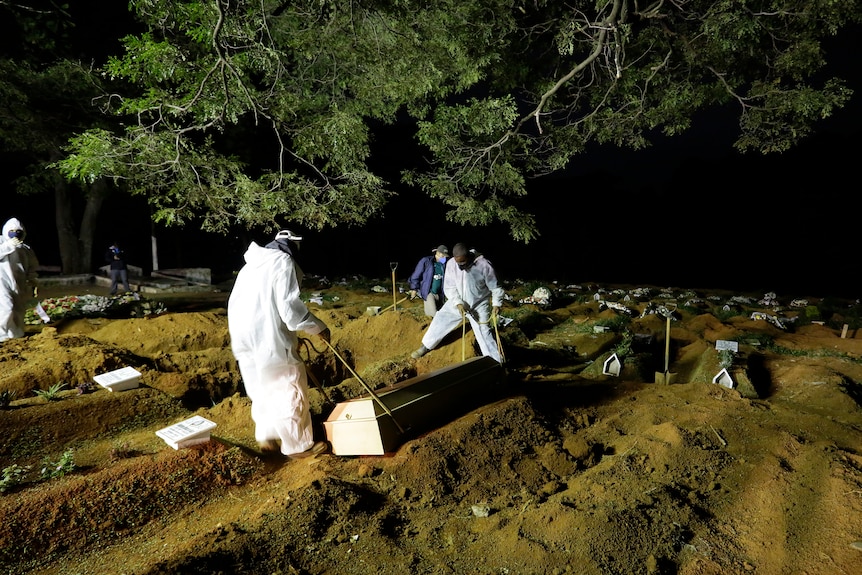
(250, 112)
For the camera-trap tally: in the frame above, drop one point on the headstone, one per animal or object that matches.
(721, 344)
(119, 379)
(723, 378)
(612, 366)
(192, 431)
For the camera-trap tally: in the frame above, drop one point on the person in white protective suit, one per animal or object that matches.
(264, 313)
(471, 289)
(18, 266)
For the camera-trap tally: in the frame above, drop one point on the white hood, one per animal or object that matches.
(12, 224)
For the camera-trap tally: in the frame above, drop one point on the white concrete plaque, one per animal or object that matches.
(119, 379)
(192, 431)
(721, 344)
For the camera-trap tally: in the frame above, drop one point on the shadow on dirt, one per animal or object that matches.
(759, 375)
(852, 388)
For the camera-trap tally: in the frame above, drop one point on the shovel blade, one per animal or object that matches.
(665, 377)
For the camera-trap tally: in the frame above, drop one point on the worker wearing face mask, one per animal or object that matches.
(264, 313)
(115, 257)
(17, 279)
(427, 279)
(471, 289)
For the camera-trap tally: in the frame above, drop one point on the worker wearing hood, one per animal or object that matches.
(17, 279)
(264, 314)
(472, 292)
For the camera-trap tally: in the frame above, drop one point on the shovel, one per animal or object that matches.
(496, 320)
(377, 310)
(393, 266)
(393, 305)
(463, 334)
(667, 377)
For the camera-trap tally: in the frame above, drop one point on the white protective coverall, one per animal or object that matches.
(264, 314)
(472, 288)
(18, 266)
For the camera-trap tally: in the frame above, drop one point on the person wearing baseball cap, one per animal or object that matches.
(427, 279)
(472, 293)
(264, 315)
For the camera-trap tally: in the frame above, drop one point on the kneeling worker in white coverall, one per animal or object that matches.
(471, 289)
(264, 313)
(18, 266)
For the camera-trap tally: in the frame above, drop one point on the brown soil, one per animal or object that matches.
(560, 469)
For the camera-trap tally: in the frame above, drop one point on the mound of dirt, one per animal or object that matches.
(561, 468)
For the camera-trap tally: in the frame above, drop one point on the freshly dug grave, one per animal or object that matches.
(562, 468)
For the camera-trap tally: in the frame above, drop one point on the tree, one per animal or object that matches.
(46, 95)
(246, 111)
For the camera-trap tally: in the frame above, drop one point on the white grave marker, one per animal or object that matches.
(43, 315)
(723, 378)
(119, 379)
(192, 431)
(721, 344)
(612, 365)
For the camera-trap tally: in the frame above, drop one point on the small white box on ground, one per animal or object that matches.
(192, 431)
(119, 379)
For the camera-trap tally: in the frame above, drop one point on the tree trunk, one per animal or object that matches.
(70, 251)
(95, 198)
(76, 244)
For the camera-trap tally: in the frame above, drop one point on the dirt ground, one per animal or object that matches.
(581, 459)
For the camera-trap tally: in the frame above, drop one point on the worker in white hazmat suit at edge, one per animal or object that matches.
(264, 314)
(471, 290)
(18, 266)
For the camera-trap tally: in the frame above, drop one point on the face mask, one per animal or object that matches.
(443, 259)
(15, 233)
(286, 246)
(466, 265)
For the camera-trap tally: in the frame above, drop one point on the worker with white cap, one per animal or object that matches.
(18, 266)
(264, 314)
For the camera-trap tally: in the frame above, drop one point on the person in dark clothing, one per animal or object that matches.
(116, 257)
(427, 279)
